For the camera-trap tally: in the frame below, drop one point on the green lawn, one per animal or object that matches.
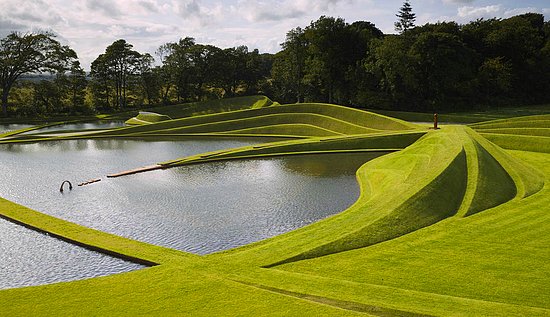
(448, 224)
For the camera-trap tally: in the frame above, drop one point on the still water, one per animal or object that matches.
(12, 127)
(199, 208)
(101, 124)
(32, 258)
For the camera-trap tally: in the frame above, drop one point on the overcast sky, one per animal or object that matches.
(88, 26)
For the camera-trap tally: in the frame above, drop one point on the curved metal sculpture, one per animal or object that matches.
(70, 186)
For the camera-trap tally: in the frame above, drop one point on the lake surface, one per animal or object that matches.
(32, 258)
(101, 124)
(200, 208)
(13, 127)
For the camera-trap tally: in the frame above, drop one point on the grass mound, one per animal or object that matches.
(285, 129)
(304, 120)
(214, 106)
(449, 223)
(529, 133)
(145, 117)
(371, 143)
(430, 176)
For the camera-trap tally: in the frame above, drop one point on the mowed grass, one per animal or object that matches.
(147, 117)
(529, 133)
(300, 120)
(499, 255)
(447, 224)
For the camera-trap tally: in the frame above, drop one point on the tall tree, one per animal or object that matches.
(147, 78)
(122, 61)
(296, 47)
(327, 57)
(100, 85)
(77, 83)
(406, 18)
(30, 53)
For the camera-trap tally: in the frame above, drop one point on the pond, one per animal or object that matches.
(100, 124)
(12, 127)
(200, 208)
(49, 260)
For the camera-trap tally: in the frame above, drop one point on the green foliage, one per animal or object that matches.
(322, 61)
(30, 53)
(406, 18)
(112, 74)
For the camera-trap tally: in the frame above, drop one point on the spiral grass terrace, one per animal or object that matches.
(453, 221)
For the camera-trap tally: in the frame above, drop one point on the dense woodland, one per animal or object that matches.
(435, 67)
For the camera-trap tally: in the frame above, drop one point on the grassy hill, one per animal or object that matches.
(451, 222)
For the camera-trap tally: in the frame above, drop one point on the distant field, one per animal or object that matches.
(468, 117)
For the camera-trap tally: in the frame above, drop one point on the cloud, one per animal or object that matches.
(105, 7)
(32, 13)
(479, 12)
(458, 1)
(518, 11)
(150, 6)
(196, 14)
(258, 11)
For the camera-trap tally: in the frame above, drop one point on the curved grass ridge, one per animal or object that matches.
(427, 188)
(214, 106)
(528, 133)
(449, 173)
(145, 117)
(306, 120)
(382, 142)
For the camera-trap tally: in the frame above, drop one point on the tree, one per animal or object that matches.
(100, 85)
(77, 83)
(147, 77)
(122, 62)
(406, 18)
(444, 69)
(176, 66)
(296, 47)
(328, 39)
(113, 74)
(30, 53)
(393, 68)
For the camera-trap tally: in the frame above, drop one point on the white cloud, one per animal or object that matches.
(479, 12)
(458, 1)
(518, 11)
(34, 13)
(104, 7)
(89, 26)
(261, 11)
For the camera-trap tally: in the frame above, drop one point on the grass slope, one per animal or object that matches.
(145, 117)
(213, 106)
(307, 120)
(529, 133)
(451, 224)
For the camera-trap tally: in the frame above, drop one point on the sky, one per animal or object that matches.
(89, 26)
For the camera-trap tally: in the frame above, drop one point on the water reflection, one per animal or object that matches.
(199, 208)
(31, 258)
(12, 127)
(331, 164)
(101, 124)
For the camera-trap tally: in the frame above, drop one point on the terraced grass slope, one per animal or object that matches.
(145, 117)
(304, 119)
(213, 106)
(529, 133)
(448, 224)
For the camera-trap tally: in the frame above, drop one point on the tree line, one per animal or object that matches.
(435, 67)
